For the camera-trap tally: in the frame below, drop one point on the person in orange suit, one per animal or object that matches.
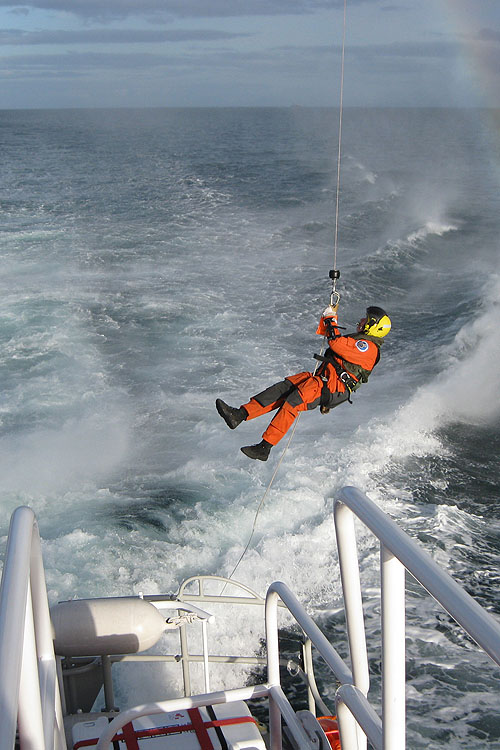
(348, 362)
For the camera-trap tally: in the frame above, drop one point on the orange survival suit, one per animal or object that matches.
(347, 363)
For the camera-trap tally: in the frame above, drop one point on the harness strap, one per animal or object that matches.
(324, 399)
(345, 377)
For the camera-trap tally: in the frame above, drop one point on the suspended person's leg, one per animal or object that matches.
(230, 414)
(264, 402)
(305, 395)
(269, 400)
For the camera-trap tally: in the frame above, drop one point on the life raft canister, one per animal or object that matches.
(331, 729)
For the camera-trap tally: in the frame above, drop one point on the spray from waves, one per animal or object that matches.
(467, 390)
(413, 245)
(363, 173)
(462, 392)
(437, 228)
(64, 422)
(410, 216)
(417, 238)
(472, 391)
(49, 460)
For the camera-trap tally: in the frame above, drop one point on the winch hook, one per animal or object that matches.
(334, 274)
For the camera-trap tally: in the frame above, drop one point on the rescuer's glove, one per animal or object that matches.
(330, 311)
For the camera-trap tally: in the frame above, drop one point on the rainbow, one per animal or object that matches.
(480, 45)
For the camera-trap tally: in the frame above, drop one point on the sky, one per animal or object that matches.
(161, 53)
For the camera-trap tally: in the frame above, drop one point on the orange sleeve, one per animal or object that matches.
(322, 330)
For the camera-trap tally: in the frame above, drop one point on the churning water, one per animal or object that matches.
(154, 260)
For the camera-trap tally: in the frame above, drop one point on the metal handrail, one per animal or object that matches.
(364, 714)
(29, 691)
(251, 598)
(279, 706)
(398, 552)
(273, 692)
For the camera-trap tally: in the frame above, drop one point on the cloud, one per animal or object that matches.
(303, 60)
(113, 36)
(77, 63)
(80, 64)
(429, 50)
(112, 9)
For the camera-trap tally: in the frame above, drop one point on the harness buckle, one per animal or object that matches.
(347, 379)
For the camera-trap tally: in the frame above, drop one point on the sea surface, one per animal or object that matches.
(154, 260)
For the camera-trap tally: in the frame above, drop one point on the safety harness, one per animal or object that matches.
(350, 374)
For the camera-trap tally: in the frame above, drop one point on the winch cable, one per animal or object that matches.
(334, 297)
(334, 275)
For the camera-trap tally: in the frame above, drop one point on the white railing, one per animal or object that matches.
(279, 706)
(29, 692)
(397, 553)
(273, 692)
(352, 738)
(352, 702)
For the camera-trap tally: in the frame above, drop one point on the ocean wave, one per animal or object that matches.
(436, 228)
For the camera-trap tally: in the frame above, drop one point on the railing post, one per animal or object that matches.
(47, 667)
(393, 650)
(205, 655)
(309, 671)
(186, 669)
(13, 595)
(107, 681)
(24, 595)
(347, 726)
(30, 721)
(273, 667)
(351, 587)
(353, 603)
(349, 702)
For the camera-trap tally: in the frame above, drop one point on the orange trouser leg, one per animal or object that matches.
(290, 401)
(281, 422)
(254, 409)
(306, 396)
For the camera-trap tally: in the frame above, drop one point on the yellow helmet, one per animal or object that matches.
(377, 322)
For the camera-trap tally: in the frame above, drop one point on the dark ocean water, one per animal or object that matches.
(154, 260)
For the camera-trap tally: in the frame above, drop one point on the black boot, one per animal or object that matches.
(231, 416)
(260, 451)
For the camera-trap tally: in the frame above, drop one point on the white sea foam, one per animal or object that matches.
(431, 228)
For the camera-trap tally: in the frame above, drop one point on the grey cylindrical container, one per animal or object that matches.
(95, 627)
